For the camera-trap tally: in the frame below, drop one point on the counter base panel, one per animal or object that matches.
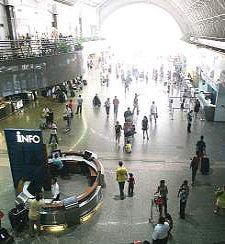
(54, 228)
(89, 215)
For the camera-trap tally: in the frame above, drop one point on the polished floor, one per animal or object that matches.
(165, 156)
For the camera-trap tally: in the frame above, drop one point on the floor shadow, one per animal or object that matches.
(190, 220)
(117, 197)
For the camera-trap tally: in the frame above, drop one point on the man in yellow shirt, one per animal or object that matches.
(121, 177)
(34, 214)
(220, 199)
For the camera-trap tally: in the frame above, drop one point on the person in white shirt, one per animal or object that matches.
(135, 103)
(153, 112)
(160, 233)
(55, 190)
(67, 114)
(45, 111)
(79, 104)
(53, 133)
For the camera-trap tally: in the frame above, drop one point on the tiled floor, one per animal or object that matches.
(165, 156)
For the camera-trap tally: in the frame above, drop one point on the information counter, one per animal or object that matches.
(58, 215)
(209, 109)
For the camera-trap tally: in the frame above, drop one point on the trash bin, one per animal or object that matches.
(18, 218)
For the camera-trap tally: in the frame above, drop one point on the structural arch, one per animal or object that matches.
(109, 7)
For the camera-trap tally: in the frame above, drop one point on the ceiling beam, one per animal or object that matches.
(210, 18)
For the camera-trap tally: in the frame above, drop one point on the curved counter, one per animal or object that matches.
(72, 210)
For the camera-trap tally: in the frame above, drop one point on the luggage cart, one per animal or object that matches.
(156, 200)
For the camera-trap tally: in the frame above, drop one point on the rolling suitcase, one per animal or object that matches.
(205, 166)
(18, 218)
(5, 237)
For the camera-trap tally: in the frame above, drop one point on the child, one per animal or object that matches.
(131, 181)
(128, 147)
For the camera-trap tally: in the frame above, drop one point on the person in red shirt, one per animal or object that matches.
(70, 105)
(1, 217)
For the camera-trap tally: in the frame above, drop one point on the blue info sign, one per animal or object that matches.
(27, 156)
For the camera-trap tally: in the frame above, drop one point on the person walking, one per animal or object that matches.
(128, 115)
(189, 120)
(107, 106)
(135, 103)
(201, 147)
(1, 217)
(118, 129)
(121, 177)
(153, 111)
(197, 107)
(34, 214)
(183, 194)
(70, 105)
(194, 166)
(131, 182)
(171, 110)
(220, 199)
(45, 113)
(53, 133)
(49, 118)
(162, 190)
(145, 127)
(161, 231)
(67, 116)
(79, 104)
(116, 105)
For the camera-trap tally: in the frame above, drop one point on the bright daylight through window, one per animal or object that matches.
(142, 31)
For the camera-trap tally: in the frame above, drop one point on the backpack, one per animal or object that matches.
(144, 124)
(117, 128)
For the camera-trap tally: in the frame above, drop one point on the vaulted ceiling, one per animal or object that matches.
(202, 18)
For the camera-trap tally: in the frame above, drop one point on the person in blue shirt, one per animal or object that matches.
(57, 162)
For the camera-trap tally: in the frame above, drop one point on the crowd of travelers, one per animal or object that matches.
(164, 226)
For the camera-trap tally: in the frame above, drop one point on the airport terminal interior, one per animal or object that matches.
(72, 73)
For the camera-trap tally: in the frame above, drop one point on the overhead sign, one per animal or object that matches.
(27, 155)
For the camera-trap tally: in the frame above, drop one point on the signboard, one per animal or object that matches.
(27, 156)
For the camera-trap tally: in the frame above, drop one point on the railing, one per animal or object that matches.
(29, 48)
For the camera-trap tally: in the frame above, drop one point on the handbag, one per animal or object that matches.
(157, 116)
(158, 200)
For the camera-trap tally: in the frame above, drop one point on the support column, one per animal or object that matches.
(81, 26)
(10, 15)
(55, 21)
(54, 16)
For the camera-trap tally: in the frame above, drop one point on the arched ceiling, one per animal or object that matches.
(199, 18)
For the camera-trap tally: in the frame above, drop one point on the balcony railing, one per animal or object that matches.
(29, 48)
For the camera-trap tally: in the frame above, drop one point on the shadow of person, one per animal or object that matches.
(190, 220)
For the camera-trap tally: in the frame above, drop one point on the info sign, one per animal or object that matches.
(27, 155)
